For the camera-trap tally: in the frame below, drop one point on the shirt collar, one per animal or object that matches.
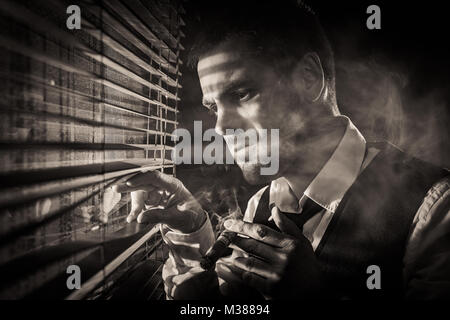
(331, 183)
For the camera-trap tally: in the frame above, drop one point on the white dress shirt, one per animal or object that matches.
(327, 189)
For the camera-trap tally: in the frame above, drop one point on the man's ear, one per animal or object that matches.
(309, 77)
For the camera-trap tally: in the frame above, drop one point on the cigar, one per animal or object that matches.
(225, 238)
(218, 250)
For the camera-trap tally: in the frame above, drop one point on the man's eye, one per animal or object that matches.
(245, 95)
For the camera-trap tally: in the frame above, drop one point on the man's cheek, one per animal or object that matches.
(251, 111)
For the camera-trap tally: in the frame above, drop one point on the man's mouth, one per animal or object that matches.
(247, 154)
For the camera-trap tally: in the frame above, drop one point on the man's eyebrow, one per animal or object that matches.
(232, 86)
(229, 88)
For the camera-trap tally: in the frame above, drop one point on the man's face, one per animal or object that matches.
(249, 95)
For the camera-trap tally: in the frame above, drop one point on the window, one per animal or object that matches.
(79, 110)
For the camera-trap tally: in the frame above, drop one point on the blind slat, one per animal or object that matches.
(119, 168)
(106, 39)
(145, 16)
(80, 111)
(94, 281)
(118, 27)
(112, 170)
(22, 14)
(80, 146)
(35, 54)
(49, 115)
(108, 62)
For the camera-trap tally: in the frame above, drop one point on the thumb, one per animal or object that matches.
(170, 216)
(133, 213)
(285, 224)
(137, 204)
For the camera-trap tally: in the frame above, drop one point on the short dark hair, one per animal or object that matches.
(279, 31)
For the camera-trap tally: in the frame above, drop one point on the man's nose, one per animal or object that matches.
(228, 118)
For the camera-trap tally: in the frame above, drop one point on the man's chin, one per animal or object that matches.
(252, 174)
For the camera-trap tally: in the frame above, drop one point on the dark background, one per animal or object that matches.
(393, 83)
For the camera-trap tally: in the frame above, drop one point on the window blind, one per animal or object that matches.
(81, 109)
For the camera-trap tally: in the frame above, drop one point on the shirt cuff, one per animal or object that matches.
(188, 248)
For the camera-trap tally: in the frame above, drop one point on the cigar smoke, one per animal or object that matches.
(220, 247)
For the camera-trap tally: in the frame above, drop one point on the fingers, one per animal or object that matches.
(156, 179)
(229, 272)
(122, 188)
(256, 248)
(256, 281)
(285, 224)
(258, 232)
(141, 200)
(166, 216)
(256, 266)
(137, 204)
(154, 199)
(152, 181)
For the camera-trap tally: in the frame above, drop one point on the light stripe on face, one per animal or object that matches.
(216, 72)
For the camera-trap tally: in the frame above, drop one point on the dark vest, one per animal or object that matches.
(372, 224)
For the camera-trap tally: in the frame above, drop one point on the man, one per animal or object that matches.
(337, 207)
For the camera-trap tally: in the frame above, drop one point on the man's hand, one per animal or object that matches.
(279, 265)
(167, 200)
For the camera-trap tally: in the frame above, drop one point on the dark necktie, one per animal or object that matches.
(263, 212)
